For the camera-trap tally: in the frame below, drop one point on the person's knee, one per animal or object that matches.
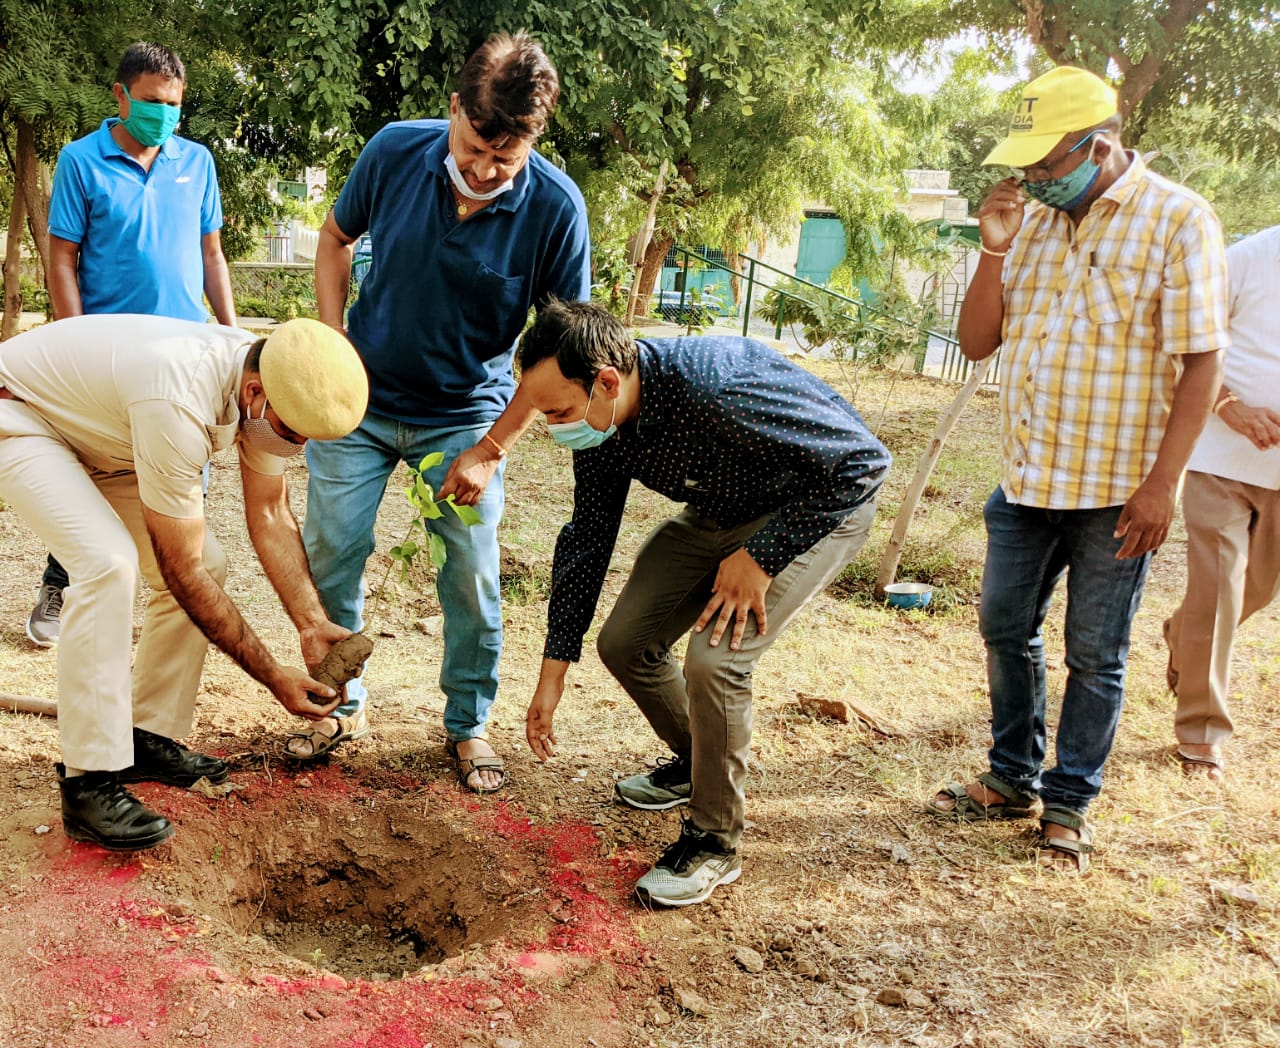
(1095, 660)
(710, 669)
(331, 544)
(110, 574)
(998, 625)
(617, 648)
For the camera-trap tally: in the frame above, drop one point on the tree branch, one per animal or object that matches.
(1141, 77)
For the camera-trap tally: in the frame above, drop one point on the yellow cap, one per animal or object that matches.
(314, 379)
(1065, 99)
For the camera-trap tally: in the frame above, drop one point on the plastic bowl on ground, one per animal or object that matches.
(909, 594)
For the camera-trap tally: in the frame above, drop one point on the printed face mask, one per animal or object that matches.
(460, 183)
(151, 123)
(580, 435)
(1067, 192)
(260, 436)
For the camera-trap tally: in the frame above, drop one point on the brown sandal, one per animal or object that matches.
(1051, 850)
(354, 727)
(1014, 803)
(467, 766)
(1198, 764)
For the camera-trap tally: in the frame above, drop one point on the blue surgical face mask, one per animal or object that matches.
(151, 123)
(580, 435)
(1067, 192)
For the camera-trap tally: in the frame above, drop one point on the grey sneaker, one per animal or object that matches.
(664, 787)
(44, 622)
(689, 870)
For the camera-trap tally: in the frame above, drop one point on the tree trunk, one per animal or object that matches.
(653, 256)
(1140, 77)
(902, 522)
(734, 261)
(642, 245)
(34, 197)
(13, 267)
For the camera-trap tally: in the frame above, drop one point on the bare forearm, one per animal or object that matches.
(217, 288)
(981, 321)
(512, 423)
(220, 620)
(64, 292)
(1192, 404)
(333, 278)
(278, 542)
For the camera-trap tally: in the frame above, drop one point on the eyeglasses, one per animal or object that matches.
(1043, 171)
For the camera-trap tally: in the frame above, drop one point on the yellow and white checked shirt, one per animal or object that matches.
(1095, 318)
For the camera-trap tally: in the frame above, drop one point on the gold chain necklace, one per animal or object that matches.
(460, 202)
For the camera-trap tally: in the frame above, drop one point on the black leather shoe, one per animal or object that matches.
(96, 808)
(157, 759)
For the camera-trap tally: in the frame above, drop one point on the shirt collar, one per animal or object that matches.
(108, 146)
(509, 201)
(1123, 188)
(653, 407)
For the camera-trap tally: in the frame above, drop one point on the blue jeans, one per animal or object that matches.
(347, 480)
(1028, 551)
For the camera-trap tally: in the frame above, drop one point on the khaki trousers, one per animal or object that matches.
(703, 710)
(93, 524)
(1233, 570)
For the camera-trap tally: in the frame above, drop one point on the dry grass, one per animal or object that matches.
(1137, 953)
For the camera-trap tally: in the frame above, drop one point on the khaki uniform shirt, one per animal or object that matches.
(138, 394)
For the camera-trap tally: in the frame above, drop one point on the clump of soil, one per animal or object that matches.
(345, 661)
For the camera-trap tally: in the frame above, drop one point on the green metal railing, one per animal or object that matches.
(756, 281)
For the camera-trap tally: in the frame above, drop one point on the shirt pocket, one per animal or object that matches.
(1107, 296)
(492, 305)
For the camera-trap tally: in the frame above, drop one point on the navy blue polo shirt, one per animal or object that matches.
(139, 231)
(443, 304)
(735, 430)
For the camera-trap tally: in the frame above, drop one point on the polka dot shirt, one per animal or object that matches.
(736, 431)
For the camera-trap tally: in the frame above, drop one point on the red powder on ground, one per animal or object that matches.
(137, 974)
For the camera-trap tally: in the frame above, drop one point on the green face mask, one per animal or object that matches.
(151, 123)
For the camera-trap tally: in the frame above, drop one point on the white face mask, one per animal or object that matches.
(259, 435)
(460, 183)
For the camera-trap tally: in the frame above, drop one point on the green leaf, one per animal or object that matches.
(438, 556)
(421, 494)
(431, 461)
(432, 510)
(405, 552)
(466, 514)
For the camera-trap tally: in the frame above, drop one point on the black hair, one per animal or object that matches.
(144, 57)
(508, 88)
(583, 337)
(253, 359)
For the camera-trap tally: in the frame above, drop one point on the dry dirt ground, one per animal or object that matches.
(368, 901)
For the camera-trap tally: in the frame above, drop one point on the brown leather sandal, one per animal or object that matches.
(1201, 764)
(1052, 850)
(466, 766)
(354, 727)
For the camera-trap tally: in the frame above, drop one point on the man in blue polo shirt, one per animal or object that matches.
(470, 229)
(133, 223)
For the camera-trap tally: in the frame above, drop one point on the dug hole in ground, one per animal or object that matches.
(366, 901)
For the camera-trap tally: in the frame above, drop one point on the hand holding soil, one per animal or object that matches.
(303, 696)
(345, 661)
